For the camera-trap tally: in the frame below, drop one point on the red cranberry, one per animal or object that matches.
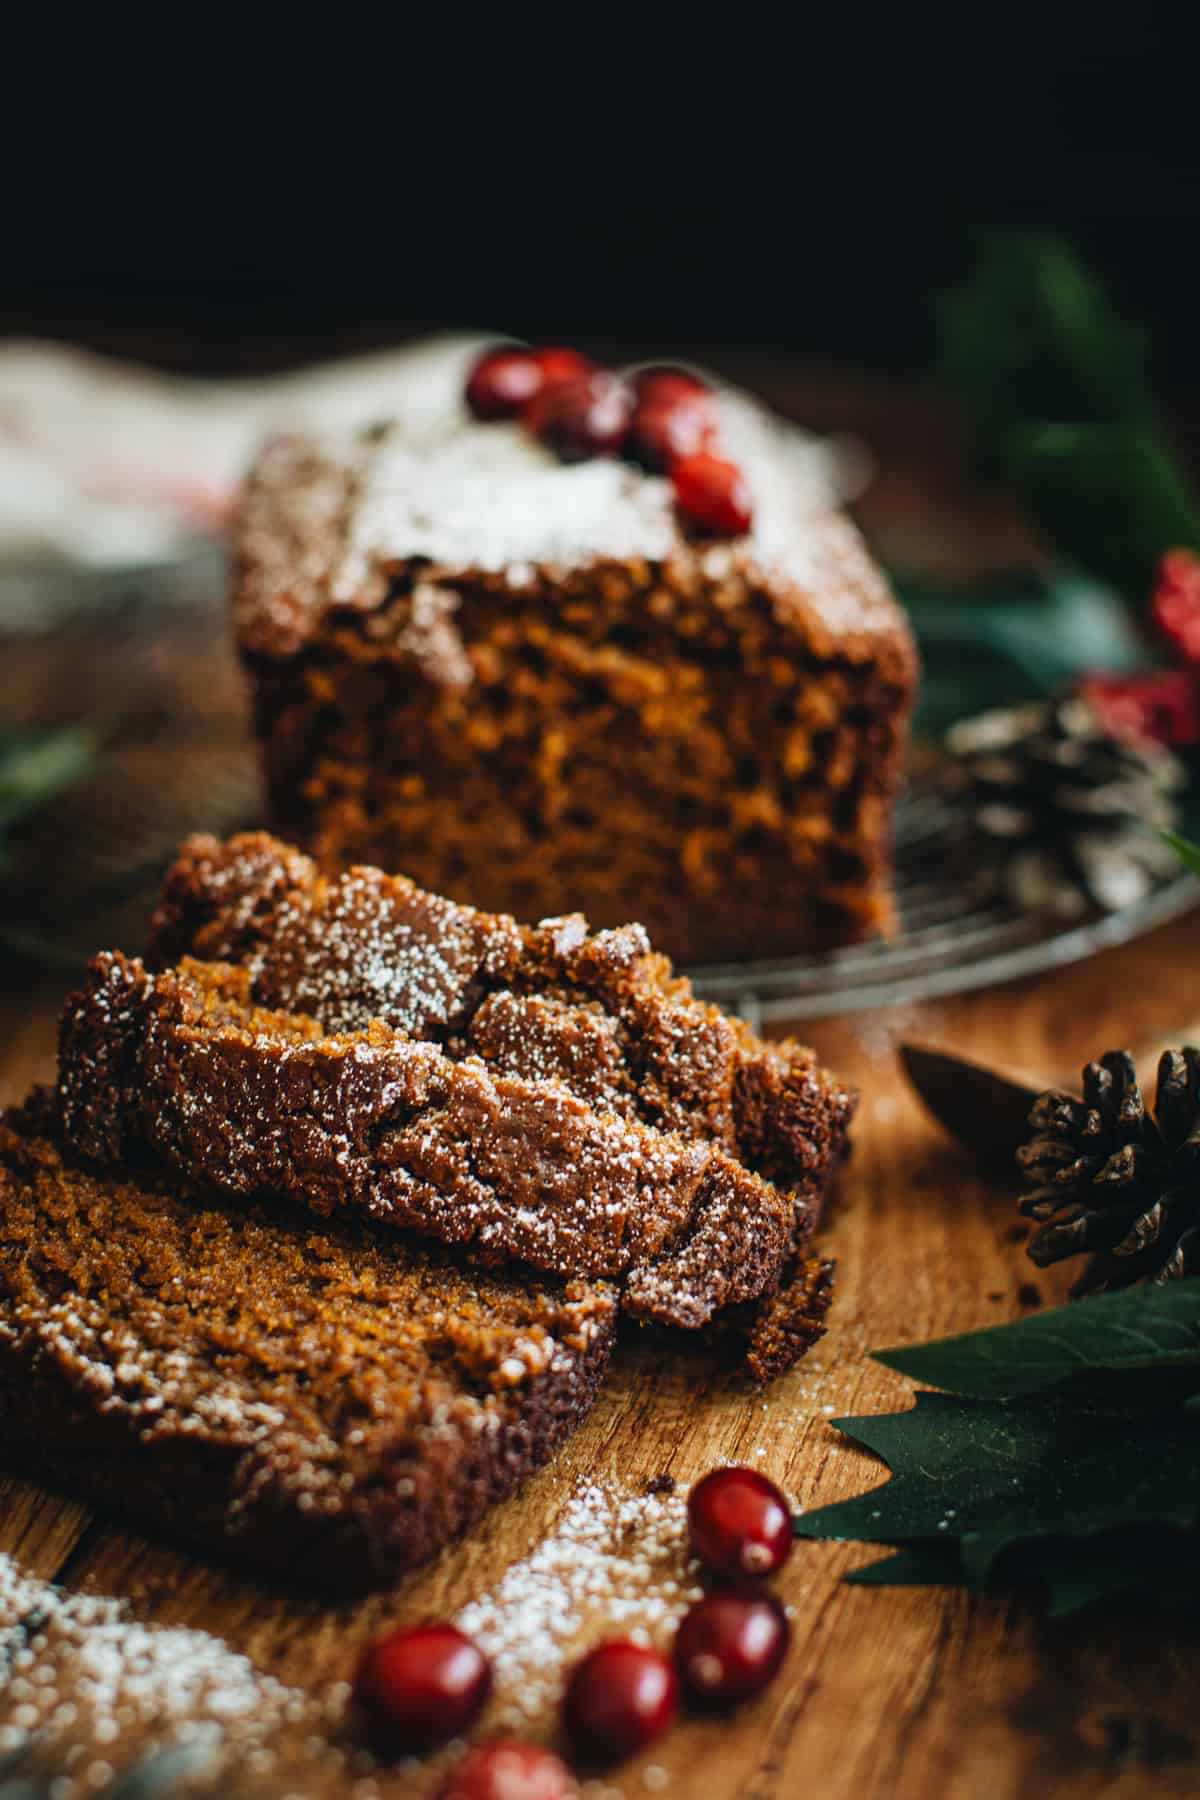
(1175, 603)
(507, 1770)
(557, 364)
(662, 431)
(712, 494)
(619, 1699)
(583, 417)
(740, 1523)
(664, 386)
(502, 381)
(730, 1645)
(418, 1688)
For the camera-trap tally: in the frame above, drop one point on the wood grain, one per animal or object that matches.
(885, 1693)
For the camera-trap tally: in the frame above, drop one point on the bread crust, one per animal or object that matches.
(247, 1102)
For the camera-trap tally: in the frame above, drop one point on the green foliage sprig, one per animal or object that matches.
(34, 766)
(1058, 394)
(1065, 1450)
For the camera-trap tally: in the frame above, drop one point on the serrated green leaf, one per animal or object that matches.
(917, 1565)
(1159, 1566)
(995, 1477)
(1073, 1574)
(1081, 1350)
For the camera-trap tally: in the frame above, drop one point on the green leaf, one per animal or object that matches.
(1093, 1350)
(1112, 496)
(1187, 852)
(1069, 1456)
(917, 1565)
(1031, 333)
(1164, 1566)
(996, 1477)
(1022, 638)
(1073, 1574)
(36, 766)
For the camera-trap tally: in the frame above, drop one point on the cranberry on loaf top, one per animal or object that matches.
(581, 640)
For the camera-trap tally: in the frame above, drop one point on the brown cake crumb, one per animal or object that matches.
(324, 1403)
(526, 686)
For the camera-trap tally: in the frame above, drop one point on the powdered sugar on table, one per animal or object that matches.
(91, 1696)
(616, 1565)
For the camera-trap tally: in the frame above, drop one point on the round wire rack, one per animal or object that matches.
(952, 934)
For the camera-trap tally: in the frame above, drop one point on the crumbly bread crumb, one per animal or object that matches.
(329, 1403)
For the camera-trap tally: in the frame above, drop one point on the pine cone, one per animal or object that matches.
(1114, 1181)
(1068, 818)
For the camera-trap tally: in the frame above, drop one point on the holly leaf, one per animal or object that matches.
(917, 1565)
(1095, 1351)
(1069, 1455)
(1163, 1567)
(995, 1477)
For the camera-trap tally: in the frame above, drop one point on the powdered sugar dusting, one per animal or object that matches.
(616, 1565)
(490, 497)
(92, 1694)
(328, 522)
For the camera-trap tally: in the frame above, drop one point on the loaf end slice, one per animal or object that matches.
(334, 1405)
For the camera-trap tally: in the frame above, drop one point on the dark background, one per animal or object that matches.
(758, 185)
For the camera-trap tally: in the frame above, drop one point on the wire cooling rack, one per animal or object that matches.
(951, 935)
(160, 682)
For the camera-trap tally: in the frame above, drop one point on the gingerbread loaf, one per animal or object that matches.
(334, 1405)
(246, 1102)
(534, 684)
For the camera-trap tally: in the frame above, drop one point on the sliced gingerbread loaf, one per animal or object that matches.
(602, 1012)
(332, 1404)
(532, 684)
(244, 1101)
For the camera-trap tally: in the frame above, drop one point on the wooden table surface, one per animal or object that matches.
(885, 1692)
(888, 1692)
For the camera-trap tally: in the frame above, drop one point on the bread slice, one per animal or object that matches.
(601, 1011)
(247, 1102)
(336, 1404)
